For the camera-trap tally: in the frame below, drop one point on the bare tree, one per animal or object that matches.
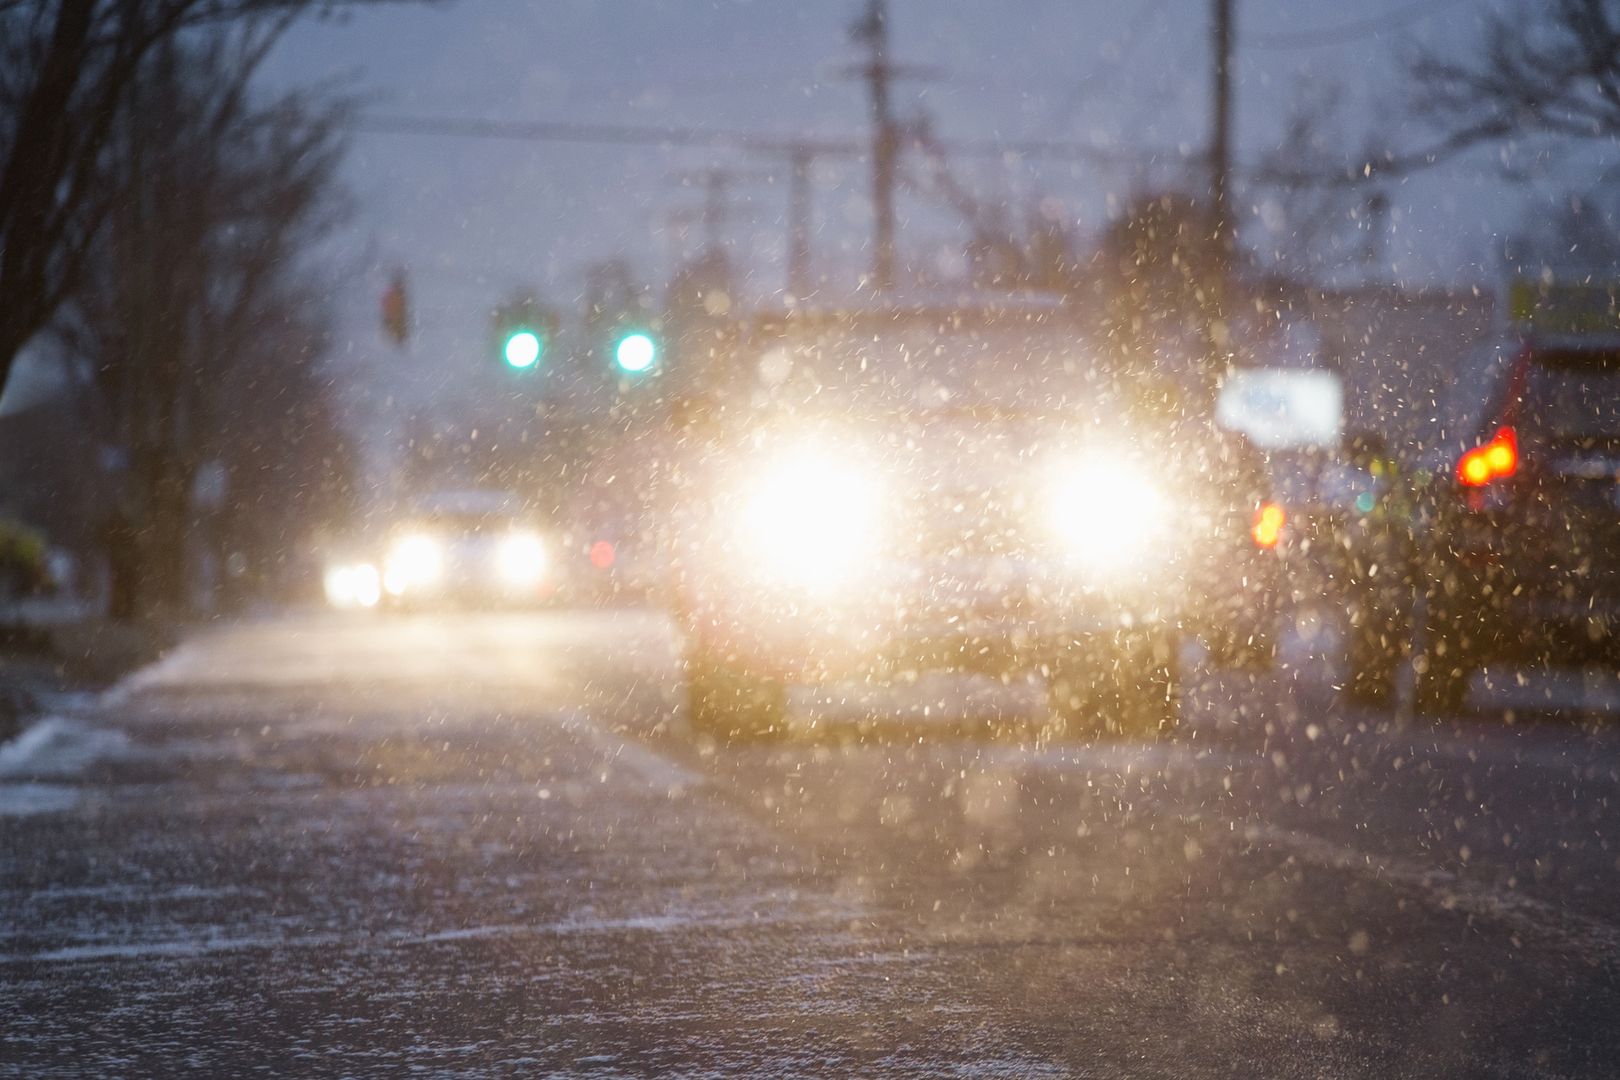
(67, 68)
(194, 309)
(1309, 227)
(1541, 67)
(1577, 236)
(1153, 265)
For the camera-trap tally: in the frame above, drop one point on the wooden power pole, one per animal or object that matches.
(1220, 134)
(872, 30)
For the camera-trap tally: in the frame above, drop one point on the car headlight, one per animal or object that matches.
(810, 519)
(353, 585)
(413, 562)
(520, 560)
(1108, 513)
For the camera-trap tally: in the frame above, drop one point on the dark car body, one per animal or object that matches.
(972, 566)
(1524, 556)
(470, 549)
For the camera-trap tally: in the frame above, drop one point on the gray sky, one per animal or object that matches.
(472, 220)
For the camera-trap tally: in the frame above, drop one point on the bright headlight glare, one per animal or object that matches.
(810, 519)
(353, 585)
(1108, 513)
(413, 562)
(521, 559)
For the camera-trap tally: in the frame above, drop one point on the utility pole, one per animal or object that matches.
(1217, 333)
(717, 211)
(1220, 140)
(800, 158)
(872, 30)
(716, 182)
(1377, 207)
(801, 155)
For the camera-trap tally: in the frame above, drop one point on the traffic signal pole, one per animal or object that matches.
(1218, 308)
(873, 30)
(1220, 140)
(798, 268)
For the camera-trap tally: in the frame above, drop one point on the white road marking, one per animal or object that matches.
(1524, 914)
(757, 911)
(1599, 758)
(25, 800)
(658, 771)
(1123, 759)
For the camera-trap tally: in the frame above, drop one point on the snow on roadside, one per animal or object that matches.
(37, 767)
(23, 800)
(59, 747)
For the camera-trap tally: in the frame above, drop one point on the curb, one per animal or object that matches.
(17, 704)
(39, 662)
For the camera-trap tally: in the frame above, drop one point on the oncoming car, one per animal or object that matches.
(963, 490)
(467, 548)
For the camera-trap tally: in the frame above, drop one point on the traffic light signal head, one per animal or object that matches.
(635, 352)
(522, 349)
(524, 331)
(396, 310)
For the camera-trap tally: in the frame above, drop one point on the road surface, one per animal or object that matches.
(487, 845)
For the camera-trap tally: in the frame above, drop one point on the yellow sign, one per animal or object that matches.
(1565, 307)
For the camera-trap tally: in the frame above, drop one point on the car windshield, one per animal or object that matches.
(931, 360)
(728, 538)
(1575, 394)
(468, 524)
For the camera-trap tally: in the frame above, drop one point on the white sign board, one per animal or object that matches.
(1281, 408)
(209, 484)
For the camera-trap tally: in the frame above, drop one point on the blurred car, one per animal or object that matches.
(1295, 415)
(1376, 564)
(1528, 551)
(352, 584)
(468, 548)
(965, 489)
(1522, 556)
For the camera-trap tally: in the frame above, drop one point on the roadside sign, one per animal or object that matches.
(1562, 307)
(1280, 408)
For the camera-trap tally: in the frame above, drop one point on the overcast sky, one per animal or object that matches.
(472, 220)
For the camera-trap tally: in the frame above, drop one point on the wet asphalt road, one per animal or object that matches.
(487, 845)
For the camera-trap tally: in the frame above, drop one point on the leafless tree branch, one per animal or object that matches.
(66, 70)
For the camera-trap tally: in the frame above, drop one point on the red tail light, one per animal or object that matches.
(1269, 520)
(1496, 460)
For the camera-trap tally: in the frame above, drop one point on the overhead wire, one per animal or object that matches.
(1350, 32)
(675, 136)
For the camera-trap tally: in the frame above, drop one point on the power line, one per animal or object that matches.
(1111, 65)
(595, 134)
(731, 139)
(1345, 33)
(788, 145)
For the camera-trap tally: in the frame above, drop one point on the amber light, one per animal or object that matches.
(1268, 524)
(1496, 460)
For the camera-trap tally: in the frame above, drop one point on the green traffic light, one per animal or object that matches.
(636, 353)
(523, 349)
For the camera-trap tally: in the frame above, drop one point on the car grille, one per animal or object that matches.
(966, 525)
